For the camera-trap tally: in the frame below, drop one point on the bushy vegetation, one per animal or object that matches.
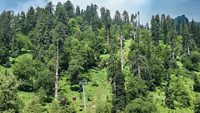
(64, 59)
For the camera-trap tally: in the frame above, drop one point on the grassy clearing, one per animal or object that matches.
(97, 90)
(25, 96)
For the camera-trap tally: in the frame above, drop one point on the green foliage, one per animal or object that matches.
(140, 106)
(73, 26)
(26, 72)
(9, 101)
(7, 35)
(23, 42)
(33, 106)
(192, 62)
(117, 81)
(103, 107)
(55, 107)
(81, 59)
(41, 94)
(169, 101)
(46, 80)
(155, 29)
(86, 45)
(61, 107)
(30, 20)
(135, 88)
(196, 84)
(32, 75)
(181, 94)
(69, 8)
(197, 105)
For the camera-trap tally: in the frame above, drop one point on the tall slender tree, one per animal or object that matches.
(7, 35)
(117, 82)
(125, 17)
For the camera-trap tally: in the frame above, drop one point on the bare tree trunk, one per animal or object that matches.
(122, 52)
(56, 75)
(173, 55)
(139, 72)
(188, 49)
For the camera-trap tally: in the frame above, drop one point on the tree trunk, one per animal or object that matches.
(139, 72)
(188, 49)
(56, 75)
(173, 55)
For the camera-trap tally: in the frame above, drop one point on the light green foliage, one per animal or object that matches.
(33, 106)
(73, 26)
(55, 107)
(25, 72)
(140, 106)
(41, 94)
(181, 94)
(103, 107)
(23, 42)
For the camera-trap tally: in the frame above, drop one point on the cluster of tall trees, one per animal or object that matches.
(64, 40)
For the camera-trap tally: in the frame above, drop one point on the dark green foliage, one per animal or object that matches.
(60, 13)
(168, 95)
(155, 29)
(78, 11)
(46, 80)
(179, 21)
(69, 8)
(60, 34)
(144, 63)
(118, 18)
(20, 23)
(125, 17)
(192, 62)
(9, 101)
(33, 75)
(188, 64)
(7, 34)
(197, 105)
(136, 88)
(30, 20)
(117, 82)
(26, 72)
(49, 7)
(196, 85)
(81, 59)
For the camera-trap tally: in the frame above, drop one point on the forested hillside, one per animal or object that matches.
(63, 59)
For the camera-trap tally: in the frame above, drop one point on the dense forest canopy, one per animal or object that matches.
(64, 59)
